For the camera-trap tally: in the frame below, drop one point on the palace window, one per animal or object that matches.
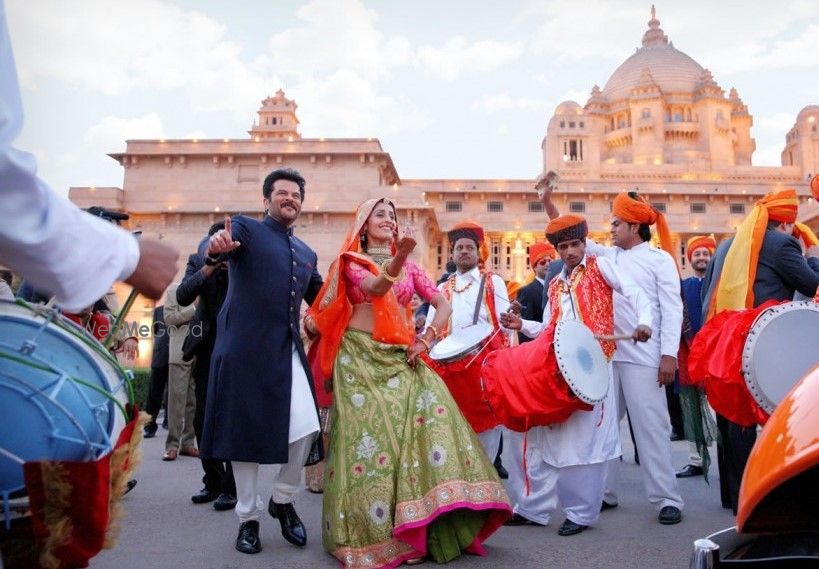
(494, 207)
(571, 124)
(583, 125)
(495, 253)
(646, 113)
(440, 255)
(453, 206)
(697, 207)
(577, 207)
(659, 206)
(536, 207)
(562, 124)
(738, 209)
(573, 150)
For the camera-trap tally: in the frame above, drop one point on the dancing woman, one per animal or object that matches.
(405, 477)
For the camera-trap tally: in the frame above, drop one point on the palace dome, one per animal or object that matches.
(672, 70)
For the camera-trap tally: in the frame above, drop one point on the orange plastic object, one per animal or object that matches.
(780, 488)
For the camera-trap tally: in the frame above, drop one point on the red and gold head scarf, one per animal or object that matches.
(331, 310)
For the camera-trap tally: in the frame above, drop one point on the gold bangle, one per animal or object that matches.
(426, 345)
(434, 331)
(387, 275)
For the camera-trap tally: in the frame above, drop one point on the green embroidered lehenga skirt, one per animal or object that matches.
(405, 474)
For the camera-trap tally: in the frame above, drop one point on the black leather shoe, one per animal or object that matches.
(130, 485)
(690, 470)
(670, 515)
(292, 528)
(606, 506)
(204, 496)
(570, 528)
(224, 502)
(518, 520)
(149, 431)
(248, 539)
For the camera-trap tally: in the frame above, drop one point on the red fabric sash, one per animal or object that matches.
(715, 362)
(593, 298)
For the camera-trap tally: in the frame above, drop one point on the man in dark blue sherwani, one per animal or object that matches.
(261, 408)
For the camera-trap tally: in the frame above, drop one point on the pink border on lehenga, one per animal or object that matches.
(412, 519)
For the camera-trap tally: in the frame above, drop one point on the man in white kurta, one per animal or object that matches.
(567, 461)
(642, 370)
(462, 292)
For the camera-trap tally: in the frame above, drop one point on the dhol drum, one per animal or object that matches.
(544, 381)
(727, 359)
(62, 395)
(781, 347)
(462, 343)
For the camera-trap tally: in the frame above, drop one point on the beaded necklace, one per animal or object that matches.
(379, 254)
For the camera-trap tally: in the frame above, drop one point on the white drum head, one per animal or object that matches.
(460, 341)
(581, 361)
(781, 347)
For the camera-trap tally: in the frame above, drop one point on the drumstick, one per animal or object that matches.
(613, 337)
(112, 337)
(489, 339)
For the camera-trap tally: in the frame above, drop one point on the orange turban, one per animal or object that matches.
(565, 228)
(699, 241)
(814, 187)
(638, 210)
(735, 290)
(470, 230)
(538, 251)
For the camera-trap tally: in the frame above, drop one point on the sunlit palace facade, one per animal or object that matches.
(661, 124)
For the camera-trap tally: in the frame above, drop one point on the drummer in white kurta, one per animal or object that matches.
(567, 461)
(469, 287)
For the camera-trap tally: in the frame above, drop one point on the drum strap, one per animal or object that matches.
(480, 300)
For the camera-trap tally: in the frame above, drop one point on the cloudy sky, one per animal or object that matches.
(455, 89)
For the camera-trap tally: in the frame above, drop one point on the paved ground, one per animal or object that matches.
(163, 529)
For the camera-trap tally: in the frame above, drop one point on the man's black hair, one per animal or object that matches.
(282, 174)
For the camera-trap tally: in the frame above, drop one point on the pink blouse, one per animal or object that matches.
(415, 280)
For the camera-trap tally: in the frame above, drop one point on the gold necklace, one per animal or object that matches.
(455, 286)
(379, 254)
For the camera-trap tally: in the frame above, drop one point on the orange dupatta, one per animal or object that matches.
(331, 310)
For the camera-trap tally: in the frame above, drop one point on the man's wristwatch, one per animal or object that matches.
(212, 261)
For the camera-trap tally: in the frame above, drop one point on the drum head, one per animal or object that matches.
(460, 342)
(780, 349)
(581, 361)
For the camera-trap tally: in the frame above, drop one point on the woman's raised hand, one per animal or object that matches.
(406, 244)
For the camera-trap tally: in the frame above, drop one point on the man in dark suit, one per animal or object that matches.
(261, 408)
(781, 269)
(159, 372)
(208, 283)
(531, 296)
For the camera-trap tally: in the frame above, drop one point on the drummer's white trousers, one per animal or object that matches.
(249, 504)
(578, 488)
(638, 392)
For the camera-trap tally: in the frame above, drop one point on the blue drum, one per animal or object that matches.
(62, 395)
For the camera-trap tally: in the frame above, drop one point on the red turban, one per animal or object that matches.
(538, 251)
(565, 228)
(699, 241)
(814, 187)
(470, 230)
